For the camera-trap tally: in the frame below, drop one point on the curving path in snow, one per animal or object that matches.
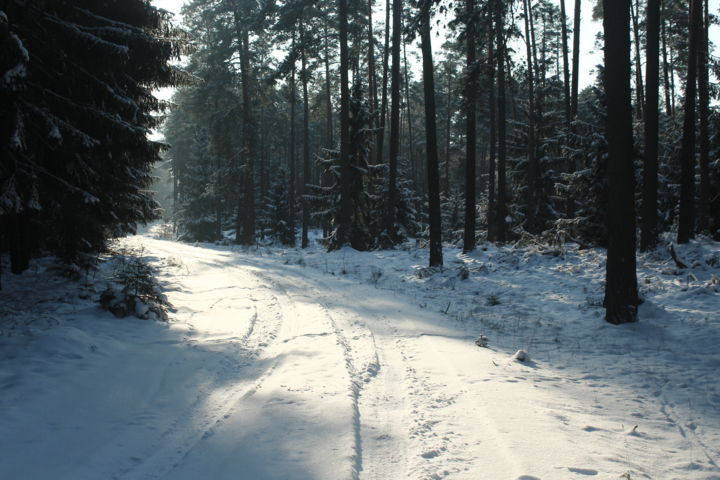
(273, 370)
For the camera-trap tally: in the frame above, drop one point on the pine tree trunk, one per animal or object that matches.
(621, 296)
(470, 123)
(245, 223)
(383, 107)
(291, 159)
(372, 87)
(448, 120)
(532, 178)
(575, 62)
(686, 223)
(328, 93)
(436, 258)
(492, 140)
(391, 211)
(306, 139)
(501, 206)
(411, 141)
(344, 220)
(18, 242)
(669, 108)
(640, 100)
(704, 111)
(648, 232)
(570, 202)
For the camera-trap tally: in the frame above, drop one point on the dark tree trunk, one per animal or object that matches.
(669, 107)
(621, 295)
(246, 209)
(648, 232)
(411, 141)
(306, 140)
(328, 93)
(533, 173)
(640, 100)
(344, 220)
(501, 205)
(372, 87)
(570, 202)
(18, 242)
(575, 62)
(291, 157)
(383, 108)
(470, 123)
(448, 120)
(704, 111)
(686, 223)
(394, 122)
(436, 258)
(492, 140)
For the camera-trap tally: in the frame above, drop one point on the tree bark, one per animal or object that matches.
(391, 211)
(570, 201)
(532, 178)
(501, 206)
(686, 222)
(245, 223)
(470, 130)
(436, 258)
(383, 108)
(492, 140)
(291, 157)
(639, 89)
(648, 231)
(669, 107)
(344, 220)
(621, 296)
(704, 111)
(575, 62)
(306, 138)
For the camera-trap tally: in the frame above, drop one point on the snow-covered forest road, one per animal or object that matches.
(274, 369)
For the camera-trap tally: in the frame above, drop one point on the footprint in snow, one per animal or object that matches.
(583, 471)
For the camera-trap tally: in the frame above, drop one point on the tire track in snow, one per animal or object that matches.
(240, 367)
(352, 359)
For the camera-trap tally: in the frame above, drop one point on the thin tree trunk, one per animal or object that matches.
(686, 223)
(704, 110)
(328, 92)
(640, 101)
(372, 88)
(570, 202)
(669, 108)
(436, 258)
(306, 139)
(501, 207)
(411, 141)
(470, 124)
(575, 62)
(245, 223)
(648, 231)
(383, 108)
(344, 220)
(291, 159)
(621, 296)
(448, 119)
(492, 102)
(532, 179)
(391, 211)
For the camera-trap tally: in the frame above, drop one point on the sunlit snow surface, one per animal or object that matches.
(289, 364)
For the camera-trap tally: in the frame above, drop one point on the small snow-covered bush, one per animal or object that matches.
(133, 289)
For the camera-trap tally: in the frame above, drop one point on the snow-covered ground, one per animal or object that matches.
(290, 364)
